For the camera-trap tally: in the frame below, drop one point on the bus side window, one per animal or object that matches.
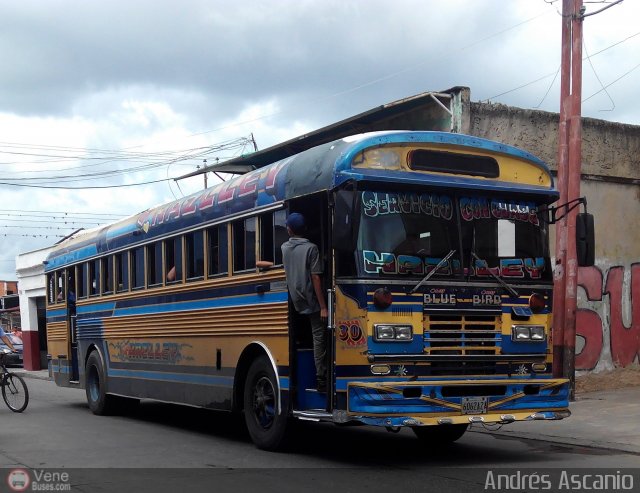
(218, 250)
(266, 237)
(107, 275)
(51, 287)
(94, 278)
(273, 233)
(82, 280)
(244, 244)
(137, 268)
(195, 255)
(122, 272)
(154, 264)
(173, 260)
(60, 286)
(280, 234)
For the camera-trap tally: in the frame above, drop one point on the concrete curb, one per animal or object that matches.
(38, 375)
(564, 440)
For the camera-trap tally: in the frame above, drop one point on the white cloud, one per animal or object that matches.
(175, 76)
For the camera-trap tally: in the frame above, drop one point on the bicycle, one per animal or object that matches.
(14, 390)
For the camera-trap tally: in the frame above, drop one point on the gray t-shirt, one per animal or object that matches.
(301, 259)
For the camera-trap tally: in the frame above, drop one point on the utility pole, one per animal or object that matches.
(204, 166)
(569, 171)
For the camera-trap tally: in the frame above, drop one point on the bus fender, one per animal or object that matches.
(91, 349)
(253, 350)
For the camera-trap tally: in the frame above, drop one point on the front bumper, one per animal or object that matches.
(405, 403)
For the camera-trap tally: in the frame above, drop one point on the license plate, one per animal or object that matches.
(475, 405)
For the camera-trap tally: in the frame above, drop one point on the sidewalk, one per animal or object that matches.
(606, 419)
(39, 374)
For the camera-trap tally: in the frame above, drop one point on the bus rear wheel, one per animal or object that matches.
(99, 401)
(440, 434)
(266, 423)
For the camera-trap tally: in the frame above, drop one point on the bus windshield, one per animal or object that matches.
(408, 234)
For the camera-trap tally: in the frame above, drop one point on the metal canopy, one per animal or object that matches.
(385, 117)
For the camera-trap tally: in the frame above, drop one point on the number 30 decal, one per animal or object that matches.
(351, 334)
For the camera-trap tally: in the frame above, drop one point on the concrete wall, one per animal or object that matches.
(32, 291)
(609, 150)
(608, 321)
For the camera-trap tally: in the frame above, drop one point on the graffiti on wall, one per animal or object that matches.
(608, 335)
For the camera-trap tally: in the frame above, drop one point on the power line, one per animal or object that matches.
(57, 228)
(57, 187)
(64, 213)
(522, 86)
(24, 235)
(611, 83)
(552, 73)
(167, 158)
(55, 221)
(549, 88)
(613, 104)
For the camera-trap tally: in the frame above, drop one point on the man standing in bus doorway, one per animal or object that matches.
(303, 268)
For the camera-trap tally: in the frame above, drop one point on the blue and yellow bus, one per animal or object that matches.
(436, 258)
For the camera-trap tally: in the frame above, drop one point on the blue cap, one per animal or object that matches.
(295, 222)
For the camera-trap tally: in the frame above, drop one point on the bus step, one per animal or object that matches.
(313, 415)
(311, 399)
(313, 389)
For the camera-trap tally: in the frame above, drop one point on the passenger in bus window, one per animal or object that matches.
(414, 244)
(303, 269)
(171, 275)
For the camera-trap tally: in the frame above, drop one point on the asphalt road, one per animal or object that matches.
(164, 447)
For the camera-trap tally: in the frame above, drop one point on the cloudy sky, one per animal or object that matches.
(122, 96)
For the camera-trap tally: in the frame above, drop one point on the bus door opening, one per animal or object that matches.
(72, 327)
(315, 209)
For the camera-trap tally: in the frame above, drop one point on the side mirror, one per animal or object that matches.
(344, 221)
(585, 240)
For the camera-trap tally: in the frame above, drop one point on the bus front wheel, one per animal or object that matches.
(99, 401)
(266, 423)
(440, 434)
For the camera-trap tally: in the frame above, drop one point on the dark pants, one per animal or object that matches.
(319, 333)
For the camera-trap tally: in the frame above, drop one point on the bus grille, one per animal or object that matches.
(462, 335)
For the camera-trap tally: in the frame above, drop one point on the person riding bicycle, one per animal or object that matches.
(5, 338)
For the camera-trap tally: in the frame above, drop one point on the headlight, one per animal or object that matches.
(392, 333)
(537, 333)
(385, 333)
(521, 334)
(527, 333)
(404, 333)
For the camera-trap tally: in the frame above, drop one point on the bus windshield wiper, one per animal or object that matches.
(513, 292)
(428, 276)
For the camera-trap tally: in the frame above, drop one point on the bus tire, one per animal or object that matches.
(440, 434)
(267, 427)
(99, 401)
